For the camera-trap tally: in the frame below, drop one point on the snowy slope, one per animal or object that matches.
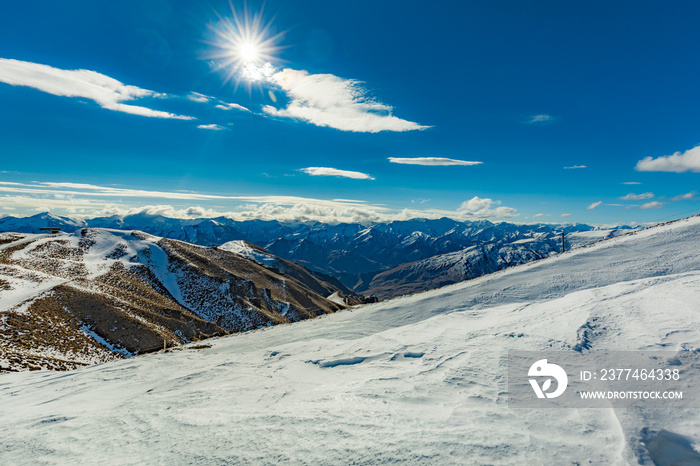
(419, 379)
(97, 294)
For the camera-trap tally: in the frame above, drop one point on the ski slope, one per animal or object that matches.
(419, 379)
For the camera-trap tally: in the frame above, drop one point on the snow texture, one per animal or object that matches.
(244, 249)
(336, 298)
(419, 379)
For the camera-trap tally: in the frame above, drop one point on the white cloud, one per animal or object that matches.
(652, 205)
(594, 205)
(476, 203)
(637, 197)
(685, 197)
(229, 106)
(566, 215)
(163, 210)
(631, 182)
(80, 189)
(81, 200)
(477, 207)
(212, 127)
(328, 213)
(283, 208)
(538, 215)
(197, 97)
(105, 91)
(327, 100)
(203, 99)
(327, 171)
(14, 202)
(574, 167)
(430, 161)
(542, 118)
(688, 161)
(305, 212)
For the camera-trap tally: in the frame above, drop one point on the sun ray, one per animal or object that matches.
(244, 47)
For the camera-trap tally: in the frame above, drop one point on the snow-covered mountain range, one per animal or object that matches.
(361, 256)
(475, 261)
(420, 379)
(96, 294)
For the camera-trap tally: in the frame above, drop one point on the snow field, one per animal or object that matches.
(420, 379)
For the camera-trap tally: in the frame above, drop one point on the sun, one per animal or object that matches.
(244, 47)
(248, 52)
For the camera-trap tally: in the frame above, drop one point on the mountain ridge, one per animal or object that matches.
(355, 254)
(63, 296)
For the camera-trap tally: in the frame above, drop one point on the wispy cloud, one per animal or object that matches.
(86, 200)
(541, 118)
(685, 197)
(430, 161)
(631, 182)
(594, 205)
(92, 200)
(82, 189)
(688, 161)
(637, 197)
(212, 127)
(69, 204)
(230, 106)
(105, 91)
(566, 215)
(652, 205)
(327, 171)
(328, 100)
(220, 104)
(575, 167)
(197, 97)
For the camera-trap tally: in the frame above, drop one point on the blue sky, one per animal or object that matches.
(346, 111)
